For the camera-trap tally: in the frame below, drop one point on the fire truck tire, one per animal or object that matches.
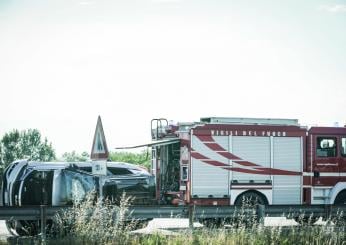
(341, 198)
(251, 198)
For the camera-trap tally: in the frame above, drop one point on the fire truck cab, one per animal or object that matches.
(326, 165)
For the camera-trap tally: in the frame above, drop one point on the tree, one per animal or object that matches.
(75, 157)
(142, 158)
(26, 144)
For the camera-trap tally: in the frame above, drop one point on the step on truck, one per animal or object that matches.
(222, 161)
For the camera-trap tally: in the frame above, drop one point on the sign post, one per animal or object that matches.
(99, 151)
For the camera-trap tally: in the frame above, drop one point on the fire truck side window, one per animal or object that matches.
(343, 147)
(326, 147)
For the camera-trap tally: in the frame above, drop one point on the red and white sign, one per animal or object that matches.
(99, 149)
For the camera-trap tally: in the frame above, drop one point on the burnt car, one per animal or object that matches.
(64, 183)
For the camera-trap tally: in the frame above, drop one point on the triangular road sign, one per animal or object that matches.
(99, 150)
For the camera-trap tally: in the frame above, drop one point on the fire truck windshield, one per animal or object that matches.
(343, 147)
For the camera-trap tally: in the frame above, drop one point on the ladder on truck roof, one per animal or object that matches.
(250, 121)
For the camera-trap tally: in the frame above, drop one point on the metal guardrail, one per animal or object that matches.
(198, 212)
(150, 212)
(28, 212)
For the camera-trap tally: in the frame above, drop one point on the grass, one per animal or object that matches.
(96, 222)
(260, 235)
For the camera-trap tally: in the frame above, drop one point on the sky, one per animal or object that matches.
(64, 62)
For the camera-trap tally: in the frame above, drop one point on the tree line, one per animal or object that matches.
(29, 144)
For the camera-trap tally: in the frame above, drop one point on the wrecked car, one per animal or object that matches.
(64, 183)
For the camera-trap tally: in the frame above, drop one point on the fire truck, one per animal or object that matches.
(222, 161)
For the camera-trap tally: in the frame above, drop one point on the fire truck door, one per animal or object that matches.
(326, 161)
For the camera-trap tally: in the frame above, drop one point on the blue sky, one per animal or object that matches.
(63, 63)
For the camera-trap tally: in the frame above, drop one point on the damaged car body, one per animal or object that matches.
(65, 183)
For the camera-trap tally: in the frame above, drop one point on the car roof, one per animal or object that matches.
(63, 165)
(48, 165)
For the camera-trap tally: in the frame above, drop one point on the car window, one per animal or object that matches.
(86, 169)
(137, 171)
(37, 188)
(119, 171)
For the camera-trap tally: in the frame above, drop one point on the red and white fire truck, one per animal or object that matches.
(219, 161)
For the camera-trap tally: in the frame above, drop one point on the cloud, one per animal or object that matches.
(336, 8)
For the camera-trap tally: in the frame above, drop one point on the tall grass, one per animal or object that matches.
(273, 235)
(96, 222)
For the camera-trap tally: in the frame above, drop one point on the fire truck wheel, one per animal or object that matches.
(251, 198)
(341, 198)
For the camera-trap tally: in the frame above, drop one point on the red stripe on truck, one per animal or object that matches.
(230, 156)
(205, 138)
(197, 155)
(255, 170)
(215, 163)
(247, 171)
(215, 146)
(246, 163)
(279, 171)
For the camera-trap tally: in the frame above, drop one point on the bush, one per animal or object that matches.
(95, 221)
(142, 158)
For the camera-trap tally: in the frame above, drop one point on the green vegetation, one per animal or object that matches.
(259, 235)
(26, 144)
(142, 158)
(73, 156)
(95, 222)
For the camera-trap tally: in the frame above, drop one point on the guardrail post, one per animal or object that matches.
(260, 213)
(191, 217)
(43, 209)
(328, 211)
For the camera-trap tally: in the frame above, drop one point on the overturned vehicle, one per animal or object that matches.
(63, 183)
